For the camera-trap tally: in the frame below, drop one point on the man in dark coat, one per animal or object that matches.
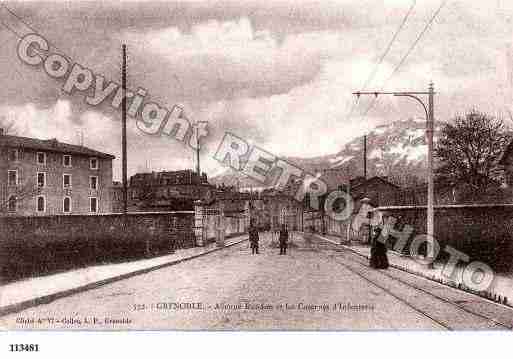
(284, 238)
(253, 238)
(378, 257)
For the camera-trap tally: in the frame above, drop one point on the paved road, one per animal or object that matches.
(315, 286)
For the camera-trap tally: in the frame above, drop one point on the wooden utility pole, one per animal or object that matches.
(198, 168)
(348, 228)
(123, 132)
(365, 156)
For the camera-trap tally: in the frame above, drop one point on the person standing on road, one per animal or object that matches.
(284, 238)
(378, 257)
(253, 237)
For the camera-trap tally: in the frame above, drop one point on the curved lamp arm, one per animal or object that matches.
(417, 99)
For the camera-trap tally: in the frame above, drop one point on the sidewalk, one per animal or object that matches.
(30, 292)
(503, 284)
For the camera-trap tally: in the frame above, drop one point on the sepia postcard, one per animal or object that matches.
(256, 166)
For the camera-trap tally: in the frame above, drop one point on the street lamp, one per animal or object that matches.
(430, 119)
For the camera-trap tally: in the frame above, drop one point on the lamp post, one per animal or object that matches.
(430, 119)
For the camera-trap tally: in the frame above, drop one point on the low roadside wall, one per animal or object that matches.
(483, 232)
(44, 244)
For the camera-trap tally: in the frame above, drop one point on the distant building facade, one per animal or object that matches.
(379, 190)
(374, 192)
(167, 190)
(48, 177)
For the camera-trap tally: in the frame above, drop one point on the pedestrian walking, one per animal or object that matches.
(378, 257)
(308, 236)
(253, 237)
(284, 238)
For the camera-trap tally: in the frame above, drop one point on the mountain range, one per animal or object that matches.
(397, 150)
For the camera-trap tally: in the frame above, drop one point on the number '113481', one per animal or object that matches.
(24, 347)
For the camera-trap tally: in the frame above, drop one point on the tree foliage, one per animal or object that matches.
(468, 150)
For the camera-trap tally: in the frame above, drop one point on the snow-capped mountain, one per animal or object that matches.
(397, 150)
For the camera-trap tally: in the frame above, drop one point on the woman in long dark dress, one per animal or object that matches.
(378, 257)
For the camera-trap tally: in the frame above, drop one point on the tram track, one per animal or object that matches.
(431, 305)
(395, 270)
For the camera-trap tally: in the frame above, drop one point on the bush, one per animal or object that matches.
(31, 246)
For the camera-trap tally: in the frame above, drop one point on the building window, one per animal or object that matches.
(93, 182)
(12, 177)
(66, 161)
(93, 163)
(41, 204)
(66, 205)
(66, 180)
(14, 154)
(41, 158)
(41, 179)
(12, 203)
(93, 205)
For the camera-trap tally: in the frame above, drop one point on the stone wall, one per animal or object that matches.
(216, 218)
(483, 232)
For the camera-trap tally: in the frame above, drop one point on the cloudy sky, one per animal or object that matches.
(278, 73)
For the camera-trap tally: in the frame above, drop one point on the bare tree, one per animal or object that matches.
(468, 150)
(27, 191)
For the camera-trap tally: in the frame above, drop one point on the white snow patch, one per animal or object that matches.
(412, 153)
(418, 133)
(354, 146)
(340, 160)
(377, 153)
(336, 159)
(399, 149)
(416, 153)
(379, 130)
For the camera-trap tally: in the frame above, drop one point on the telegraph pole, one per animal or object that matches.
(348, 228)
(430, 119)
(123, 131)
(198, 169)
(365, 156)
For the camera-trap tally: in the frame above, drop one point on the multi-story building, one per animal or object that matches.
(48, 177)
(167, 190)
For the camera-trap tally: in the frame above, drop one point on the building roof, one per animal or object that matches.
(181, 177)
(52, 145)
(333, 178)
(374, 179)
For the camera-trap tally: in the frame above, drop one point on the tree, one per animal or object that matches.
(468, 150)
(21, 193)
(7, 125)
